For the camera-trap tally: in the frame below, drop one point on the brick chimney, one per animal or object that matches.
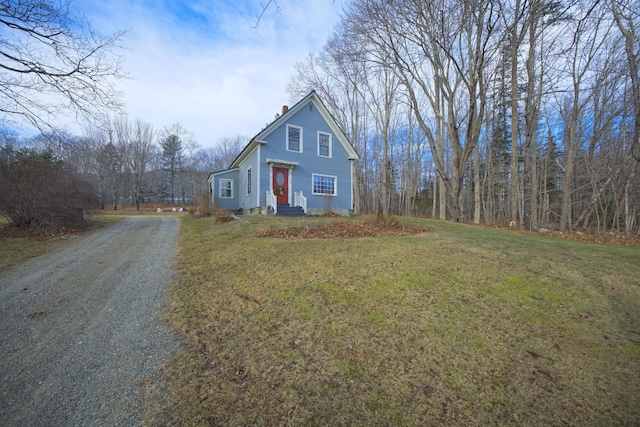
(285, 108)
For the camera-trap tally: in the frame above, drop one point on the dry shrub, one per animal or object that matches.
(36, 191)
(220, 216)
(202, 206)
(386, 221)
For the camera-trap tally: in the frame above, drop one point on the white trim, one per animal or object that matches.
(258, 195)
(330, 144)
(220, 196)
(353, 168)
(282, 163)
(249, 179)
(246, 152)
(300, 145)
(335, 184)
(290, 189)
(214, 174)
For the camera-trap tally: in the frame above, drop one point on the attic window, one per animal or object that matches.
(294, 138)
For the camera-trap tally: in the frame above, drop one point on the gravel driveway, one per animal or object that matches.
(79, 328)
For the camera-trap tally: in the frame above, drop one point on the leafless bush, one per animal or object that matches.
(202, 206)
(383, 220)
(36, 191)
(221, 216)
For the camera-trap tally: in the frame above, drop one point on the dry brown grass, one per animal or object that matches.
(459, 326)
(17, 244)
(145, 209)
(220, 216)
(345, 229)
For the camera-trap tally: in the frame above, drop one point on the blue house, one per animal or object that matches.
(301, 163)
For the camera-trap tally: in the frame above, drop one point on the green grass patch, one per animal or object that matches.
(463, 325)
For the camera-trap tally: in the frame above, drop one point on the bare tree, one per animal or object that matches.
(52, 61)
(627, 19)
(139, 152)
(221, 155)
(383, 92)
(439, 50)
(338, 75)
(590, 30)
(557, 143)
(525, 23)
(95, 140)
(516, 23)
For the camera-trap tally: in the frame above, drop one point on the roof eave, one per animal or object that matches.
(246, 152)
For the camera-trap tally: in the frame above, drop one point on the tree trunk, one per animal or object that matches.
(567, 187)
(476, 186)
(515, 40)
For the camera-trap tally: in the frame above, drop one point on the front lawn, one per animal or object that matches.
(461, 325)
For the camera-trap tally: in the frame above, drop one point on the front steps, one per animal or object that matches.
(286, 210)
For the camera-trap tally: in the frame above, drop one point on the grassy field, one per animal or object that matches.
(462, 325)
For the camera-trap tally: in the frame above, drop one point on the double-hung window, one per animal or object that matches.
(226, 189)
(324, 185)
(324, 144)
(294, 138)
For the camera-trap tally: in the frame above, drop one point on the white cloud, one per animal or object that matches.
(214, 73)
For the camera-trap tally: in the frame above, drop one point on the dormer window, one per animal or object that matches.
(294, 138)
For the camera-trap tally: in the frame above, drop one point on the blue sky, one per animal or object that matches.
(204, 64)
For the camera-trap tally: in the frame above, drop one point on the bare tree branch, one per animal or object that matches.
(264, 9)
(52, 61)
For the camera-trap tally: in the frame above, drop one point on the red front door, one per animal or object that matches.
(281, 185)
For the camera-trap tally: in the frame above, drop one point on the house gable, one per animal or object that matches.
(311, 99)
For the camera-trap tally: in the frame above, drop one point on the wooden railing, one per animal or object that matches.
(300, 200)
(272, 201)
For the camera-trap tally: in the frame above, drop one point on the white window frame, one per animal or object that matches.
(335, 184)
(221, 188)
(299, 142)
(249, 183)
(330, 147)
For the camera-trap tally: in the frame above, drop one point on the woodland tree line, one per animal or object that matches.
(123, 162)
(521, 112)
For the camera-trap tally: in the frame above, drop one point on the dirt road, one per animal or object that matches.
(79, 328)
